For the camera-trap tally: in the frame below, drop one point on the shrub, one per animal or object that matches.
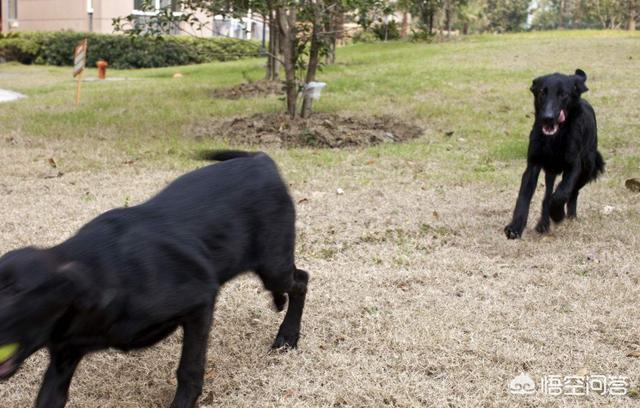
(18, 49)
(123, 52)
(391, 31)
(364, 36)
(421, 35)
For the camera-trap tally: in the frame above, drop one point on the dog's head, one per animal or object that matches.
(35, 291)
(554, 97)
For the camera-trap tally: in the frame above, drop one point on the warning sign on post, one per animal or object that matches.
(79, 62)
(79, 58)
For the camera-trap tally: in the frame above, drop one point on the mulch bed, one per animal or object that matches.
(320, 130)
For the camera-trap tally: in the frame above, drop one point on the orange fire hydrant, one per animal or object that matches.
(102, 68)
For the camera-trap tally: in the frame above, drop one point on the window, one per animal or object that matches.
(153, 6)
(145, 9)
(12, 12)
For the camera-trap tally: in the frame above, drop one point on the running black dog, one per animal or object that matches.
(564, 139)
(133, 275)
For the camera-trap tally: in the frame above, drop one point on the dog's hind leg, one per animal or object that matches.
(571, 181)
(194, 353)
(55, 386)
(544, 222)
(289, 331)
(572, 204)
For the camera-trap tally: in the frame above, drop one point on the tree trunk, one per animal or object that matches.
(404, 28)
(312, 68)
(268, 19)
(274, 46)
(334, 27)
(430, 22)
(286, 17)
(447, 17)
(632, 18)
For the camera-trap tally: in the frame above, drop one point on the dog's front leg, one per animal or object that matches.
(563, 192)
(521, 212)
(549, 181)
(54, 391)
(194, 353)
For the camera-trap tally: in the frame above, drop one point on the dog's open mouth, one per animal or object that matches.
(551, 129)
(7, 361)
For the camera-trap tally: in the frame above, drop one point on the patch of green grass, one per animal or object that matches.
(470, 96)
(513, 149)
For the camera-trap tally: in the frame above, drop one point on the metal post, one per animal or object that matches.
(90, 14)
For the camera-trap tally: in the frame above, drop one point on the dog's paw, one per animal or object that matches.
(556, 211)
(542, 227)
(512, 232)
(285, 341)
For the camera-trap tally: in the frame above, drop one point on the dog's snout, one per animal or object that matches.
(548, 114)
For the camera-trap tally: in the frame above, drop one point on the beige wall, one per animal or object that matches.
(107, 10)
(38, 15)
(53, 15)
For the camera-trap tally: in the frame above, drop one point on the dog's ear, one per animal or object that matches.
(579, 82)
(535, 86)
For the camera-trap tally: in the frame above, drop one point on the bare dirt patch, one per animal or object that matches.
(321, 130)
(250, 90)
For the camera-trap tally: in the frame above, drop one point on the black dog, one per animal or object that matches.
(564, 139)
(133, 275)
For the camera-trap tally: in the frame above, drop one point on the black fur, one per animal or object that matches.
(131, 276)
(564, 140)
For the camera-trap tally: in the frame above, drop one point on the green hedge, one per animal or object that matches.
(123, 52)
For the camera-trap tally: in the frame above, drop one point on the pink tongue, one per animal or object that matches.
(562, 117)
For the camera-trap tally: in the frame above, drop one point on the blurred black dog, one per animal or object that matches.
(564, 139)
(133, 275)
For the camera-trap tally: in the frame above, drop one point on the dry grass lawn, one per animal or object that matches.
(416, 297)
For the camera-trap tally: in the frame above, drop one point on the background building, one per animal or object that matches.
(97, 16)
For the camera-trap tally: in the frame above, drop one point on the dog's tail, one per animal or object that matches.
(599, 168)
(223, 155)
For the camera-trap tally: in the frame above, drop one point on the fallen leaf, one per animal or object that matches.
(52, 162)
(633, 184)
(303, 200)
(635, 354)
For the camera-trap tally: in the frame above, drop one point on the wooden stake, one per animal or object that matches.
(78, 90)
